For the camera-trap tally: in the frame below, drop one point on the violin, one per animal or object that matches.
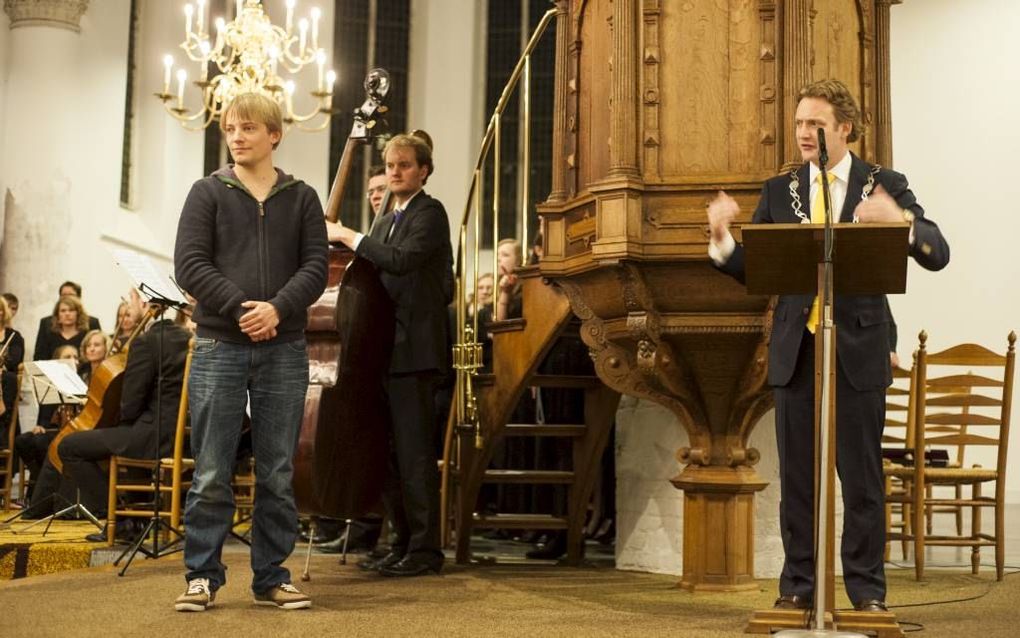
(102, 406)
(341, 458)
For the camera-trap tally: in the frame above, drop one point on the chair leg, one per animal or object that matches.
(111, 504)
(908, 527)
(1000, 536)
(975, 529)
(929, 511)
(959, 511)
(920, 508)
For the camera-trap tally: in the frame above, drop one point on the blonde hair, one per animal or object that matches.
(516, 248)
(59, 351)
(5, 311)
(75, 303)
(422, 150)
(255, 107)
(132, 310)
(844, 106)
(87, 338)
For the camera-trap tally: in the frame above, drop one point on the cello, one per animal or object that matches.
(102, 406)
(350, 340)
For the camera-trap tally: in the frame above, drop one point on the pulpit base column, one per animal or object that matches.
(718, 550)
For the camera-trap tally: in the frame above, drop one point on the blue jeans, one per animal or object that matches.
(223, 378)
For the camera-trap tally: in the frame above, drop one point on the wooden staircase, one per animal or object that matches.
(519, 347)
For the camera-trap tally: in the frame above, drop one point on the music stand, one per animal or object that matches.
(844, 259)
(55, 383)
(164, 292)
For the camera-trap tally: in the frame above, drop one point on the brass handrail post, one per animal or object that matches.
(526, 152)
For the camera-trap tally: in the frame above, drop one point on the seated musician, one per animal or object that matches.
(135, 435)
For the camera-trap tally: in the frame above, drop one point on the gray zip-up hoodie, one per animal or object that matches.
(232, 248)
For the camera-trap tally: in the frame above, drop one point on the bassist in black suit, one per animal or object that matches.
(411, 247)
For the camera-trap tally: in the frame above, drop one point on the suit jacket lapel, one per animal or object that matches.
(858, 173)
(381, 228)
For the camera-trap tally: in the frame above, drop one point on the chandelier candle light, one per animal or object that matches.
(245, 57)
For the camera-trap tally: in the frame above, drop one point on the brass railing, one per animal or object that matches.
(467, 351)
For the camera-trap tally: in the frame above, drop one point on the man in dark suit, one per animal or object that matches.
(860, 192)
(411, 247)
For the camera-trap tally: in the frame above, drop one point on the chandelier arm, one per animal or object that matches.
(179, 114)
(321, 108)
(313, 129)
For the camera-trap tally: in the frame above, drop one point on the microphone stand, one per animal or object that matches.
(822, 440)
(156, 522)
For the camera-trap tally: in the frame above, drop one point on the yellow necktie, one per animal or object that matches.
(817, 217)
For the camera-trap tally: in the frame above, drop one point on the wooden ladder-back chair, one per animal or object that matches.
(897, 437)
(7, 466)
(963, 397)
(171, 470)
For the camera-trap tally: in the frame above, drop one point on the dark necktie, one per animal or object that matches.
(397, 214)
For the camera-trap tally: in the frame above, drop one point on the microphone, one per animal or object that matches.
(823, 153)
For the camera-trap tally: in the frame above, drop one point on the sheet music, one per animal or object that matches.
(56, 381)
(148, 278)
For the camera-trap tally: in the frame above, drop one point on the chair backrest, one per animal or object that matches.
(182, 415)
(964, 397)
(899, 403)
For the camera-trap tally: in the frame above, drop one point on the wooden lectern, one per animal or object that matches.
(786, 259)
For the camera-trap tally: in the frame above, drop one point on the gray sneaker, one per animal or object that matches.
(198, 597)
(284, 596)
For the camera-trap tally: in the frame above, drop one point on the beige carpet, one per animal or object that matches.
(466, 601)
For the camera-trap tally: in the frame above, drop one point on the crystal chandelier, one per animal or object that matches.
(246, 56)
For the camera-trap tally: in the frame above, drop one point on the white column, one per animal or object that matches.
(39, 129)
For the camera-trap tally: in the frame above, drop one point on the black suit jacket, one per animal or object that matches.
(416, 268)
(138, 396)
(863, 322)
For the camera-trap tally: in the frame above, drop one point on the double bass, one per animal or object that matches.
(341, 458)
(102, 405)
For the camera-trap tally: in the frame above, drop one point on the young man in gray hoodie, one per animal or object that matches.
(251, 248)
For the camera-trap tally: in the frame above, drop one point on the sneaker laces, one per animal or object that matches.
(198, 586)
(290, 589)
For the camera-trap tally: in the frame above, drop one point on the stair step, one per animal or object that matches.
(519, 521)
(507, 325)
(529, 476)
(565, 381)
(582, 381)
(544, 429)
